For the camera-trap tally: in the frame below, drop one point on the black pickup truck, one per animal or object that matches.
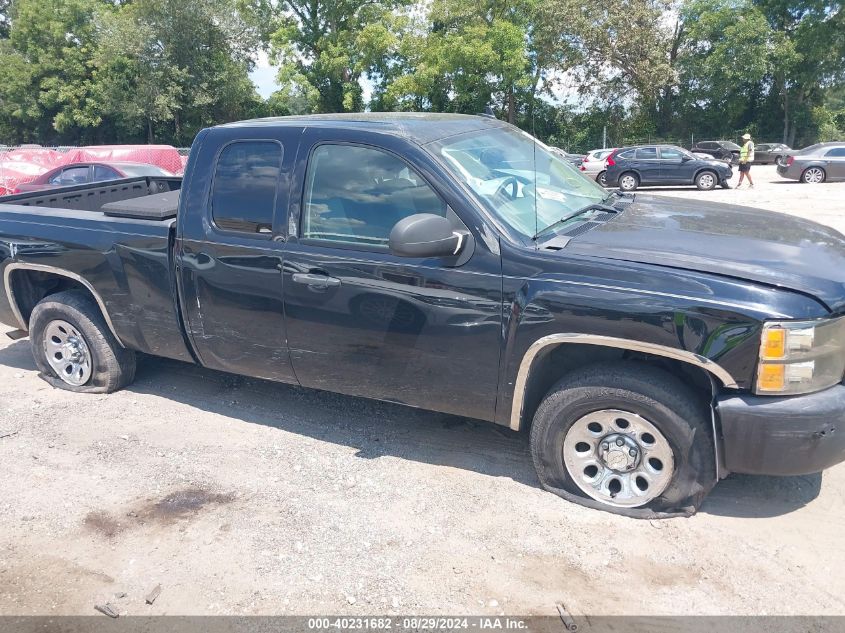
(453, 263)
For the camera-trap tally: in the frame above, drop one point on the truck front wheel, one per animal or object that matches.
(74, 348)
(627, 438)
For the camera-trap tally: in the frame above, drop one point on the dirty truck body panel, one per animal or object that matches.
(277, 295)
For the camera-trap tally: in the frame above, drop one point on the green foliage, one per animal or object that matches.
(175, 65)
(46, 69)
(92, 70)
(324, 48)
(75, 71)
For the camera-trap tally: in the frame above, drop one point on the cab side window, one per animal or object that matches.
(355, 195)
(243, 192)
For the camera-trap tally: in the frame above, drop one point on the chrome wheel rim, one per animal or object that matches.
(618, 457)
(706, 181)
(67, 352)
(628, 182)
(813, 175)
(603, 179)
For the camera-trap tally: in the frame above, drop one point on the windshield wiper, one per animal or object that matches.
(616, 193)
(597, 206)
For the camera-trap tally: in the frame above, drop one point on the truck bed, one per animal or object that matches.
(119, 198)
(116, 238)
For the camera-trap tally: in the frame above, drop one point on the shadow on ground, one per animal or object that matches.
(754, 496)
(379, 429)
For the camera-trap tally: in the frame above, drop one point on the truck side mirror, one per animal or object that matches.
(425, 235)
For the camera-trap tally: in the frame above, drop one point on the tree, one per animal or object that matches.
(324, 48)
(46, 70)
(463, 57)
(170, 67)
(625, 48)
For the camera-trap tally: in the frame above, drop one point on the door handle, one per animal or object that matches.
(319, 281)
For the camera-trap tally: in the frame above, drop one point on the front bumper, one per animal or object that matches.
(794, 435)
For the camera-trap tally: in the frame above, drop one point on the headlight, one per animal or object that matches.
(801, 356)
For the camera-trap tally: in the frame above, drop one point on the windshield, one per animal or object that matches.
(499, 166)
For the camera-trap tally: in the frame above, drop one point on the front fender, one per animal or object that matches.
(709, 321)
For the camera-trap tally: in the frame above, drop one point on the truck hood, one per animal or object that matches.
(752, 244)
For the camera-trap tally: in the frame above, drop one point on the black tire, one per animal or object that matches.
(706, 180)
(677, 412)
(112, 366)
(634, 182)
(602, 178)
(805, 175)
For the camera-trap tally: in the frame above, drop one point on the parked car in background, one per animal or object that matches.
(575, 159)
(721, 150)
(84, 173)
(595, 164)
(767, 153)
(650, 165)
(816, 163)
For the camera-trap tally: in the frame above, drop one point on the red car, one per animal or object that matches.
(85, 173)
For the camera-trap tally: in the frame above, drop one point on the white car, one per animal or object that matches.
(595, 164)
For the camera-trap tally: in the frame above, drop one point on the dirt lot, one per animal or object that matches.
(245, 497)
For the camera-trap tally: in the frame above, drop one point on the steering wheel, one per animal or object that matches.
(512, 182)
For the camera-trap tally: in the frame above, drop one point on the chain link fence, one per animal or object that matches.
(582, 147)
(62, 166)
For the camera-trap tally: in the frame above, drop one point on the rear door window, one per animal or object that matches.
(355, 195)
(101, 173)
(74, 176)
(646, 153)
(667, 153)
(836, 152)
(626, 155)
(243, 192)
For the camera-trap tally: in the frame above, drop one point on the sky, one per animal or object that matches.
(264, 76)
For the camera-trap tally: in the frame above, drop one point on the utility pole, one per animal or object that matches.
(604, 138)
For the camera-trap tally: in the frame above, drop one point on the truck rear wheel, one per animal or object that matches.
(74, 348)
(626, 438)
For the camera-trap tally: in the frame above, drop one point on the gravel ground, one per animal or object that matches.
(240, 496)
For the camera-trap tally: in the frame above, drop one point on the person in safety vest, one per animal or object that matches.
(746, 157)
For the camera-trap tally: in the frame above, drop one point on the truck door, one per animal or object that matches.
(364, 322)
(229, 255)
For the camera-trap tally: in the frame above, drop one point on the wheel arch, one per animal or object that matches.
(631, 171)
(529, 381)
(701, 170)
(26, 284)
(814, 165)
